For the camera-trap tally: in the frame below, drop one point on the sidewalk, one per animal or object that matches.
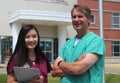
(112, 68)
(3, 69)
(109, 68)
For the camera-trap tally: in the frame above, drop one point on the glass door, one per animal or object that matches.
(46, 45)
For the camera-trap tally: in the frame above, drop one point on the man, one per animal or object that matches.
(81, 59)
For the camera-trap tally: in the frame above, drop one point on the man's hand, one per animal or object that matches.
(56, 71)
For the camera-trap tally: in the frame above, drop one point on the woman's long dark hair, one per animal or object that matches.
(20, 53)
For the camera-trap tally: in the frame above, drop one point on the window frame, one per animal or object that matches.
(114, 17)
(115, 44)
(92, 19)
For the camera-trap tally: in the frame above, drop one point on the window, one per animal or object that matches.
(47, 47)
(55, 48)
(6, 47)
(116, 48)
(115, 20)
(50, 47)
(92, 19)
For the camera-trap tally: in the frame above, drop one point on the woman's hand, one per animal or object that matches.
(37, 79)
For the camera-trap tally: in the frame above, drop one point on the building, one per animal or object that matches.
(53, 20)
(111, 23)
(51, 17)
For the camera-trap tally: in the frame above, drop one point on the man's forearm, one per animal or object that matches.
(71, 67)
(80, 66)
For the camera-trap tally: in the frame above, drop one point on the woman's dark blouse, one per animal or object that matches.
(42, 67)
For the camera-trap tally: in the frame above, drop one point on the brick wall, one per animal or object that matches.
(109, 34)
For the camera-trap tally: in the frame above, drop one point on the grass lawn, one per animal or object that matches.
(3, 78)
(112, 78)
(109, 78)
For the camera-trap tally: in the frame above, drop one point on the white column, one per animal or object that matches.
(61, 36)
(0, 50)
(15, 32)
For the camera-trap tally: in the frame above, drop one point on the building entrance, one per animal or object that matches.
(46, 45)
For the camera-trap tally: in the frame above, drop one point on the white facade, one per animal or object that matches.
(51, 17)
(8, 7)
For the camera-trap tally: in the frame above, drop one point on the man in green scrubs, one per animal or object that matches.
(81, 59)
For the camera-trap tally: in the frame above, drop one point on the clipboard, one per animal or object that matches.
(25, 74)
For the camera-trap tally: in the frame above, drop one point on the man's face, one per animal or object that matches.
(79, 20)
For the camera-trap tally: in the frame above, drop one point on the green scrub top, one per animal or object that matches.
(90, 43)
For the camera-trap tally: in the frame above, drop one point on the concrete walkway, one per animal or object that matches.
(3, 68)
(109, 68)
(112, 68)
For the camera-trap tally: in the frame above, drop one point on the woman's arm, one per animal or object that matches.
(37, 79)
(11, 79)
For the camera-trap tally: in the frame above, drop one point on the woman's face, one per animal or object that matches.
(31, 39)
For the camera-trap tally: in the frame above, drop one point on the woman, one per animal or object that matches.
(28, 50)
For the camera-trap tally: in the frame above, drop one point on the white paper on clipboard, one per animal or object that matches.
(25, 74)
